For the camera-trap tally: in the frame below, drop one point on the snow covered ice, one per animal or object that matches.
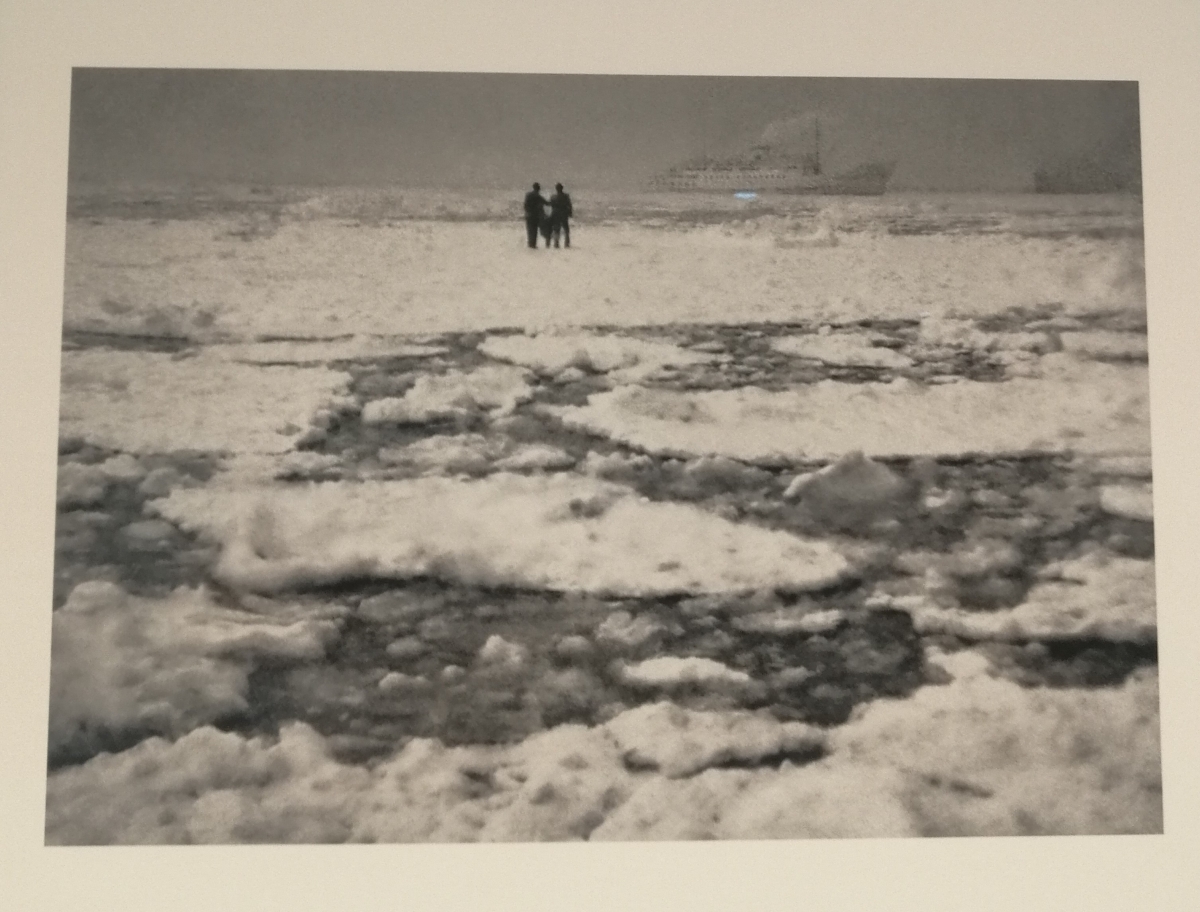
(795, 524)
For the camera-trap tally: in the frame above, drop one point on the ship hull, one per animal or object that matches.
(868, 180)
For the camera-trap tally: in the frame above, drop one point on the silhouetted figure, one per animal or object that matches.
(560, 215)
(535, 214)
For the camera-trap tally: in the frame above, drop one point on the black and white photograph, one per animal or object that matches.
(496, 457)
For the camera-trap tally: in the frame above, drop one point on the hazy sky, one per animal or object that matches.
(446, 129)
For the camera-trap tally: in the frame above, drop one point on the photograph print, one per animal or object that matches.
(460, 457)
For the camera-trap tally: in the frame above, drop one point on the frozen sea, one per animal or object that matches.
(777, 518)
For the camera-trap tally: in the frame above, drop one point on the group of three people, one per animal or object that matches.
(552, 226)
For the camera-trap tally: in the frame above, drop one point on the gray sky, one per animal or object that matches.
(469, 130)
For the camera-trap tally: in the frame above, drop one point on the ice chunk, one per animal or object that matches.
(624, 358)
(455, 393)
(475, 454)
(952, 333)
(853, 492)
(151, 402)
(533, 457)
(785, 621)
(1128, 501)
(395, 682)
(681, 742)
(162, 665)
(1125, 466)
(623, 629)
(672, 671)
(84, 485)
(80, 485)
(448, 454)
(1092, 407)
(1098, 595)
(499, 651)
(841, 348)
(559, 532)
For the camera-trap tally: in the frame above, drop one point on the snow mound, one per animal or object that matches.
(153, 402)
(120, 662)
(1098, 595)
(842, 349)
(456, 393)
(557, 532)
(625, 359)
(681, 742)
(1093, 408)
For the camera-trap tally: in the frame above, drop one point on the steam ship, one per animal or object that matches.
(779, 163)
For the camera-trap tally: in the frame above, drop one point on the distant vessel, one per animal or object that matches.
(778, 163)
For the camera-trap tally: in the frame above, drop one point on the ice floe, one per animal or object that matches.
(558, 532)
(681, 742)
(121, 662)
(154, 402)
(1092, 408)
(1096, 596)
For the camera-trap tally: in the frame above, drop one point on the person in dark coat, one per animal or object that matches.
(560, 215)
(535, 214)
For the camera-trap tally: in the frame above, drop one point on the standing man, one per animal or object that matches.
(535, 212)
(560, 215)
